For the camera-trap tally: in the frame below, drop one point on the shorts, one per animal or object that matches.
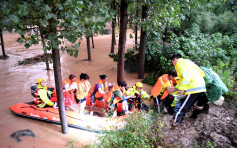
(93, 98)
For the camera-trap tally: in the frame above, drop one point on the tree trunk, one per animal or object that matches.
(136, 35)
(122, 39)
(113, 28)
(45, 52)
(88, 48)
(92, 40)
(142, 46)
(59, 89)
(2, 44)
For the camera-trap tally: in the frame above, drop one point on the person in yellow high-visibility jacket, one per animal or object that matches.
(43, 100)
(162, 90)
(140, 96)
(191, 84)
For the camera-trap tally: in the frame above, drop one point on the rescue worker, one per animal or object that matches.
(70, 86)
(83, 90)
(191, 84)
(98, 91)
(140, 94)
(42, 100)
(118, 94)
(162, 90)
(215, 89)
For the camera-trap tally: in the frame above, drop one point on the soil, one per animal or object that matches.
(219, 126)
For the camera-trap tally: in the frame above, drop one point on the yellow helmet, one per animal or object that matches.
(139, 84)
(39, 80)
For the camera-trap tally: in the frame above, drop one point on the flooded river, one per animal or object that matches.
(16, 82)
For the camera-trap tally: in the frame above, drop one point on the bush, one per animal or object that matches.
(142, 130)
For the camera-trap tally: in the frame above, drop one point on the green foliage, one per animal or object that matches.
(142, 130)
(56, 21)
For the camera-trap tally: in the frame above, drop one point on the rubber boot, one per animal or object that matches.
(195, 114)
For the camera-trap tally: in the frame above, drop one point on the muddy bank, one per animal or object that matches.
(217, 128)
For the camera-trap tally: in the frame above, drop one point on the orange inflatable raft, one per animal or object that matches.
(74, 119)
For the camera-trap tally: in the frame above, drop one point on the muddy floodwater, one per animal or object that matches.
(16, 82)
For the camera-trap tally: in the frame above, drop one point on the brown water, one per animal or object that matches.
(16, 82)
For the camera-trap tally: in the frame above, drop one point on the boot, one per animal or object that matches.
(195, 114)
(206, 108)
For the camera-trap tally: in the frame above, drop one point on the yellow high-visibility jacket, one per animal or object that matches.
(142, 93)
(191, 77)
(42, 92)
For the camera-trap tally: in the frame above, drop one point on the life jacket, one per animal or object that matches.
(82, 91)
(37, 99)
(110, 95)
(160, 86)
(104, 87)
(70, 83)
(67, 81)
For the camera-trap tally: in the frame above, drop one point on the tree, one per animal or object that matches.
(122, 39)
(142, 47)
(95, 16)
(113, 7)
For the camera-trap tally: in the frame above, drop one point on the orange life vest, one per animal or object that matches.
(110, 94)
(70, 83)
(162, 82)
(37, 99)
(104, 87)
(82, 89)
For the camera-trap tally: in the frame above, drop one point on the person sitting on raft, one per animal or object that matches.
(83, 91)
(43, 100)
(98, 91)
(70, 86)
(140, 94)
(117, 95)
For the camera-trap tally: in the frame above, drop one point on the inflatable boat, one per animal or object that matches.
(74, 119)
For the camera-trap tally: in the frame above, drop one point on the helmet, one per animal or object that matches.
(39, 80)
(139, 84)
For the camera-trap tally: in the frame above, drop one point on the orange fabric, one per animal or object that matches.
(109, 96)
(67, 81)
(104, 87)
(82, 90)
(156, 90)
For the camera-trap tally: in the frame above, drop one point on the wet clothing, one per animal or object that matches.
(215, 86)
(160, 87)
(190, 76)
(193, 85)
(184, 105)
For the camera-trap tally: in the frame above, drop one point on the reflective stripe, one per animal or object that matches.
(185, 82)
(176, 116)
(161, 81)
(196, 89)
